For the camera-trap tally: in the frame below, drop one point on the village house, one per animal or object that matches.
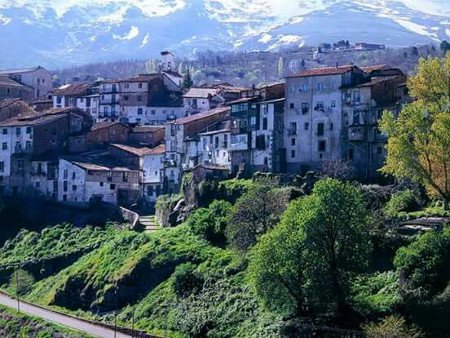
(216, 146)
(182, 143)
(201, 99)
(37, 78)
(150, 136)
(10, 89)
(97, 177)
(363, 107)
(257, 130)
(313, 118)
(169, 68)
(109, 101)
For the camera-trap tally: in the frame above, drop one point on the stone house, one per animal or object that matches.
(10, 89)
(37, 78)
(150, 136)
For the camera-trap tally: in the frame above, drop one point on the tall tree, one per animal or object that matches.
(311, 255)
(419, 139)
(187, 82)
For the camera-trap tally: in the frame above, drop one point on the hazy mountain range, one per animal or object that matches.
(61, 33)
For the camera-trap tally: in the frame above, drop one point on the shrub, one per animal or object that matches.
(21, 282)
(186, 280)
(210, 223)
(400, 201)
(391, 327)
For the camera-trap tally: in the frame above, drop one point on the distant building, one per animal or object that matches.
(201, 99)
(368, 46)
(10, 89)
(37, 78)
(150, 136)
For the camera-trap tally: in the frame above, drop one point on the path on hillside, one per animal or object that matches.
(149, 223)
(61, 319)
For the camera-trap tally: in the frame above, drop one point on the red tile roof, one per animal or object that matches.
(138, 151)
(159, 150)
(325, 71)
(200, 116)
(72, 89)
(102, 125)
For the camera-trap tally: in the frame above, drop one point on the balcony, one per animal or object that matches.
(356, 133)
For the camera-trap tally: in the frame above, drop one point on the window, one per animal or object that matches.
(292, 153)
(225, 141)
(357, 96)
(65, 185)
(356, 117)
(28, 145)
(28, 130)
(139, 111)
(65, 174)
(291, 105)
(320, 87)
(5, 131)
(306, 126)
(140, 85)
(266, 161)
(264, 124)
(293, 141)
(125, 177)
(139, 98)
(65, 198)
(101, 184)
(74, 187)
(4, 146)
(305, 107)
(319, 106)
(292, 128)
(216, 142)
(153, 111)
(333, 104)
(125, 97)
(17, 131)
(331, 126)
(73, 175)
(2, 166)
(112, 186)
(320, 129)
(322, 146)
(58, 99)
(304, 87)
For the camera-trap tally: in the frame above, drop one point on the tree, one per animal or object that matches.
(445, 46)
(255, 212)
(187, 82)
(424, 265)
(280, 67)
(419, 139)
(210, 223)
(308, 259)
(21, 281)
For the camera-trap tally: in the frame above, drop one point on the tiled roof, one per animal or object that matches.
(32, 120)
(143, 78)
(102, 125)
(147, 129)
(325, 71)
(377, 80)
(204, 93)
(19, 71)
(72, 89)
(200, 116)
(372, 68)
(6, 81)
(138, 151)
(97, 162)
(159, 150)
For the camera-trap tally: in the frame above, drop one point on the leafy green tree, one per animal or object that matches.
(21, 282)
(424, 265)
(210, 223)
(419, 139)
(255, 212)
(320, 243)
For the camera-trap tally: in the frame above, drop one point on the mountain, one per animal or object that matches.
(61, 33)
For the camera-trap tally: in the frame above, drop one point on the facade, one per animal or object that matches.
(201, 99)
(216, 147)
(37, 78)
(154, 176)
(109, 102)
(150, 136)
(10, 89)
(313, 120)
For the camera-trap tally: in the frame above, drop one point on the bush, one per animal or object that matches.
(186, 280)
(424, 265)
(391, 327)
(210, 223)
(401, 201)
(21, 282)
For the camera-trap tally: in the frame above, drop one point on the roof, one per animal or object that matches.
(159, 150)
(172, 73)
(103, 125)
(13, 107)
(243, 100)
(6, 81)
(19, 71)
(213, 132)
(203, 92)
(377, 80)
(147, 129)
(97, 162)
(138, 151)
(372, 68)
(325, 71)
(200, 116)
(72, 89)
(143, 78)
(32, 120)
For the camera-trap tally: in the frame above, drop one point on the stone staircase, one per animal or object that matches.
(149, 223)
